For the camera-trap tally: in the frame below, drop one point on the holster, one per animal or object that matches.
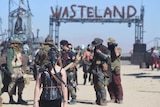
(105, 70)
(105, 66)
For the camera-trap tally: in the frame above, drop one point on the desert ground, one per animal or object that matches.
(141, 89)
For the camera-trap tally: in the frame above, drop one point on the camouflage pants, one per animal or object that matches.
(16, 81)
(71, 84)
(86, 69)
(99, 81)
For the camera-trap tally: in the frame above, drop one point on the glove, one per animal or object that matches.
(42, 69)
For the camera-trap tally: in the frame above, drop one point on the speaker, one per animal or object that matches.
(139, 48)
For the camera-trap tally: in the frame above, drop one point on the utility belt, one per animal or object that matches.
(101, 64)
(52, 87)
(17, 66)
(87, 63)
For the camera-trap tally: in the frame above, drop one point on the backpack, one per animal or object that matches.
(46, 55)
(41, 57)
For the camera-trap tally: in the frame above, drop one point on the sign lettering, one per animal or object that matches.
(82, 11)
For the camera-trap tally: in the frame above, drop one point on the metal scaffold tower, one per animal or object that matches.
(139, 27)
(19, 20)
(2, 33)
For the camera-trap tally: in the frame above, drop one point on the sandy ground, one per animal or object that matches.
(141, 89)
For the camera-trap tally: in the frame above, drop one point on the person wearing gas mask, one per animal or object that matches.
(51, 78)
(115, 87)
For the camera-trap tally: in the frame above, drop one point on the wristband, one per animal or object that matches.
(36, 102)
(64, 101)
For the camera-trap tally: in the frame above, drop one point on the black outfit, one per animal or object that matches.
(50, 103)
(51, 95)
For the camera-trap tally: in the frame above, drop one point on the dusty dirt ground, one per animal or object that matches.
(141, 89)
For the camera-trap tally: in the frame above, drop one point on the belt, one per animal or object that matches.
(17, 66)
(52, 87)
(98, 62)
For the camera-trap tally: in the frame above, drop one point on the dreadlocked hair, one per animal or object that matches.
(17, 49)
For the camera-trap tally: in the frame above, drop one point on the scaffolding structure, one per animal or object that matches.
(26, 33)
(2, 33)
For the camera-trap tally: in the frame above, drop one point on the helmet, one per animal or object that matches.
(16, 40)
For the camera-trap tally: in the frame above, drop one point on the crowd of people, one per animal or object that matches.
(57, 76)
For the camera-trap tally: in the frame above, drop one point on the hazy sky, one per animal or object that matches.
(78, 33)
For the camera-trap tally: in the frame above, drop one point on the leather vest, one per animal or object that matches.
(51, 89)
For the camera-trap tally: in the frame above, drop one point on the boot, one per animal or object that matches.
(84, 83)
(20, 100)
(11, 101)
(97, 101)
(103, 102)
(1, 101)
(73, 101)
(85, 77)
(119, 101)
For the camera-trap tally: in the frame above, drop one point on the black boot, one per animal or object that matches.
(73, 101)
(84, 83)
(11, 101)
(20, 100)
(85, 77)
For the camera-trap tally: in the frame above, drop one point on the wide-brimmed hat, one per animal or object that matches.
(49, 41)
(16, 40)
(111, 40)
(97, 41)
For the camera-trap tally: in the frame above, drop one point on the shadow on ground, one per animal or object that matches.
(85, 102)
(143, 75)
(149, 91)
(30, 102)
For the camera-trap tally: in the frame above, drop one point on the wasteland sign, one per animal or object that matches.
(82, 11)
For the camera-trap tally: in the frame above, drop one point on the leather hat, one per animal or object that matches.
(97, 41)
(111, 40)
(49, 41)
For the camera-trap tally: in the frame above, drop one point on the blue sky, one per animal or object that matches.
(78, 33)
